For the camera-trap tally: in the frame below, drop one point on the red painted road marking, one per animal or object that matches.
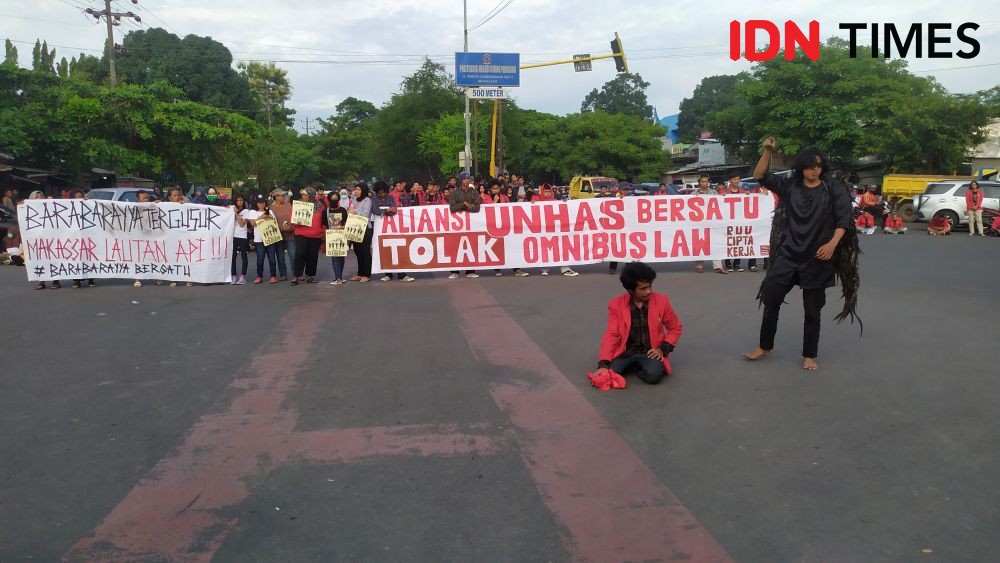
(611, 504)
(174, 514)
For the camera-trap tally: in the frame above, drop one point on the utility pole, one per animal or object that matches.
(112, 19)
(307, 127)
(465, 27)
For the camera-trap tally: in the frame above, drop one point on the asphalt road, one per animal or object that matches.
(451, 420)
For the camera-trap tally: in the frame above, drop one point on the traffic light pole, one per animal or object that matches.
(616, 44)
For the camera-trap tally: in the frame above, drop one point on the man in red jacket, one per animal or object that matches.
(642, 328)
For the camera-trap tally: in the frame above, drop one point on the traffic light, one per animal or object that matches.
(616, 47)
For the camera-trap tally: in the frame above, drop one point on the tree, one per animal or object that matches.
(625, 94)
(88, 68)
(10, 55)
(423, 97)
(442, 140)
(621, 146)
(346, 142)
(271, 90)
(63, 69)
(851, 107)
(200, 66)
(713, 94)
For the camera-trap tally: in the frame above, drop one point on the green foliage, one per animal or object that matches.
(346, 142)
(850, 107)
(424, 96)
(713, 94)
(625, 94)
(271, 91)
(200, 67)
(442, 140)
(10, 54)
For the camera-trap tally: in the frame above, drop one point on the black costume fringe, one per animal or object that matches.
(845, 258)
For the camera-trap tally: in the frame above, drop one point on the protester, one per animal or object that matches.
(77, 283)
(894, 225)
(733, 188)
(13, 245)
(8, 198)
(642, 330)
(974, 208)
(870, 203)
(336, 219)
(939, 225)
(464, 198)
(545, 195)
(140, 197)
(260, 209)
(705, 188)
(814, 217)
(175, 196)
(413, 195)
(363, 249)
(495, 196)
(385, 204)
(212, 197)
(239, 208)
(865, 223)
(282, 211)
(308, 240)
(433, 195)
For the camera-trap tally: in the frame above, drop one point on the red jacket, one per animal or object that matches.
(661, 316)
(488, 198)
(316, 230)
(975, 205)
(865, 220)
(893, 222)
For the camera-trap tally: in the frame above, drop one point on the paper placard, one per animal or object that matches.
(302, 213)
(336, 243)
(355, 228)
(269, 231)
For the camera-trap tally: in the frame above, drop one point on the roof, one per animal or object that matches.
(990, 148)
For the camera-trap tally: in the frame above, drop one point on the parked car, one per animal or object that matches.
(948, 198)
(119, 194)
(583, 187)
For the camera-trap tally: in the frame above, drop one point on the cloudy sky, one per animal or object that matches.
(333, 49)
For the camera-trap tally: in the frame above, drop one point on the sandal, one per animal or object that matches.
(41, 285)
(295, 281)
(363, 279)
(311, 279)
(721, 271)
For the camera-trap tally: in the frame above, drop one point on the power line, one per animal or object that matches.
(495, 14)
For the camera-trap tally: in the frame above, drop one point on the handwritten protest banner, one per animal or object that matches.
(82, 238)
(588, 231)
(302, 213)
(336, 243)
(269, 231)
(355, 227)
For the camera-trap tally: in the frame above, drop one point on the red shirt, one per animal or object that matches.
(973, 201)
(315, 230)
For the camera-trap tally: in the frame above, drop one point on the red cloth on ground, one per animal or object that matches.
(606, 380)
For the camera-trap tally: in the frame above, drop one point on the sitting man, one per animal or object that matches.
(865, 223)
(642, 328)
(939, 225)
(894, 225)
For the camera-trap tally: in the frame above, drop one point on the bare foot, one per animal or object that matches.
(756, 354)
(809, 364)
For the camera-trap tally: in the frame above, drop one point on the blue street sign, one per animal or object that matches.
(488, 69)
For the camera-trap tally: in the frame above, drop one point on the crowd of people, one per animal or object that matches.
(295, 257)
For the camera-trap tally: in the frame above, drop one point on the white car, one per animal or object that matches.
(948, 199)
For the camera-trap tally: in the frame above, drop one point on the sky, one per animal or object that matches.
(333, 49)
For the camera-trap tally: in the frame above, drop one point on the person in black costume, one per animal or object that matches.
(807, 247)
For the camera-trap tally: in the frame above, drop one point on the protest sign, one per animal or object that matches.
(269, 231)
(336, 243)
(302, 212)
(84, 238)
(355, 227)
(588, 231)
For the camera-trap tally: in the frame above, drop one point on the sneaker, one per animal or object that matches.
(571, 273)
(241, 281)
(409, 279)
(521, 274)
(753, 268)
(272, 280)
(334, 282)
(498, 274)
(472, 275)
(189, 284)
(729, 269)
(137, 284)
(452, 276)
(76, 285)
(55, 285)
(233, 281)
(545, 272)
(739, 269)
(173, 284)
(91, 283)
(386, 277)
(258, 280)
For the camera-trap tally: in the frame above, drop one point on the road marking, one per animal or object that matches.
(610, 504)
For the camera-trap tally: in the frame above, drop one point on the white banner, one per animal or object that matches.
(565, 233)
(83, 238)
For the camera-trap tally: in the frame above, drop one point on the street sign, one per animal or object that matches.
(582, 66)
(486, 93)
(488, 69)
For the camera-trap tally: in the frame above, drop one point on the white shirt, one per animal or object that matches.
(253, 214)
(241, 232)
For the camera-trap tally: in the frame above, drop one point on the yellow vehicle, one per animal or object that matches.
(899, 190)
(583, 187)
